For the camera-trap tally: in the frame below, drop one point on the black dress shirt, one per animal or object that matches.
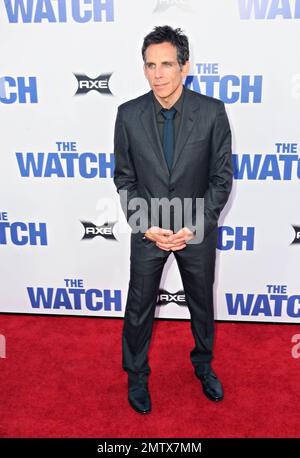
(160, 119)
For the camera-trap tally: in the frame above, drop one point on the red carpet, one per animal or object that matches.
(62, 377)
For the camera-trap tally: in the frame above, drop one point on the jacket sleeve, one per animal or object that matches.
(125, 178)
(220, 170)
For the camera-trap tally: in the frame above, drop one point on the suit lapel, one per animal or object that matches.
(148, 120)
(186, 124)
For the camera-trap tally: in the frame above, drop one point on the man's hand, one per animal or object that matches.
(180, 238)
(166, 240)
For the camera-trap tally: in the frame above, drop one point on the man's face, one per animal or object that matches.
(162, 69)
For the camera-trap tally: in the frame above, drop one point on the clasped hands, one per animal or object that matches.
(166, 240)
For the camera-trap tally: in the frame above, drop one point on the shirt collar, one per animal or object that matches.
(177, 105)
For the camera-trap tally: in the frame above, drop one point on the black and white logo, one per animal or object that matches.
(297, 235)
(164, 297)
(91, 230)
(87, 84)
(164, 5)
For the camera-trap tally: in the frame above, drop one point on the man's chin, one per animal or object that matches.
(161, 92)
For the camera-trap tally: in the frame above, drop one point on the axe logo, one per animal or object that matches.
(165, 298)
(99, 84)
(297, 235)
(164, 5)
(91, 230)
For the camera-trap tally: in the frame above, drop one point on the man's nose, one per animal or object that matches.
(158, 72)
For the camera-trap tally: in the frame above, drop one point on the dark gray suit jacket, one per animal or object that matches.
(202, 162)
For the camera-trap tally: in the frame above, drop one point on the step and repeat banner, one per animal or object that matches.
(65, 66)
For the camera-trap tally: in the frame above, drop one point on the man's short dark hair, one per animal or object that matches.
(161, 34)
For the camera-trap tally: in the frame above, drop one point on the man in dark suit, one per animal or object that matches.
(170, 143)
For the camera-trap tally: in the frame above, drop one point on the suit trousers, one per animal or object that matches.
(196, 263)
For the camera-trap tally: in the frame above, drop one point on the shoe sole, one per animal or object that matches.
(213, 399)
(207, 395)
(143, 412)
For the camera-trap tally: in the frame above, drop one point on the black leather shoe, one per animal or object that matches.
(139, 399)
(211, 385)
